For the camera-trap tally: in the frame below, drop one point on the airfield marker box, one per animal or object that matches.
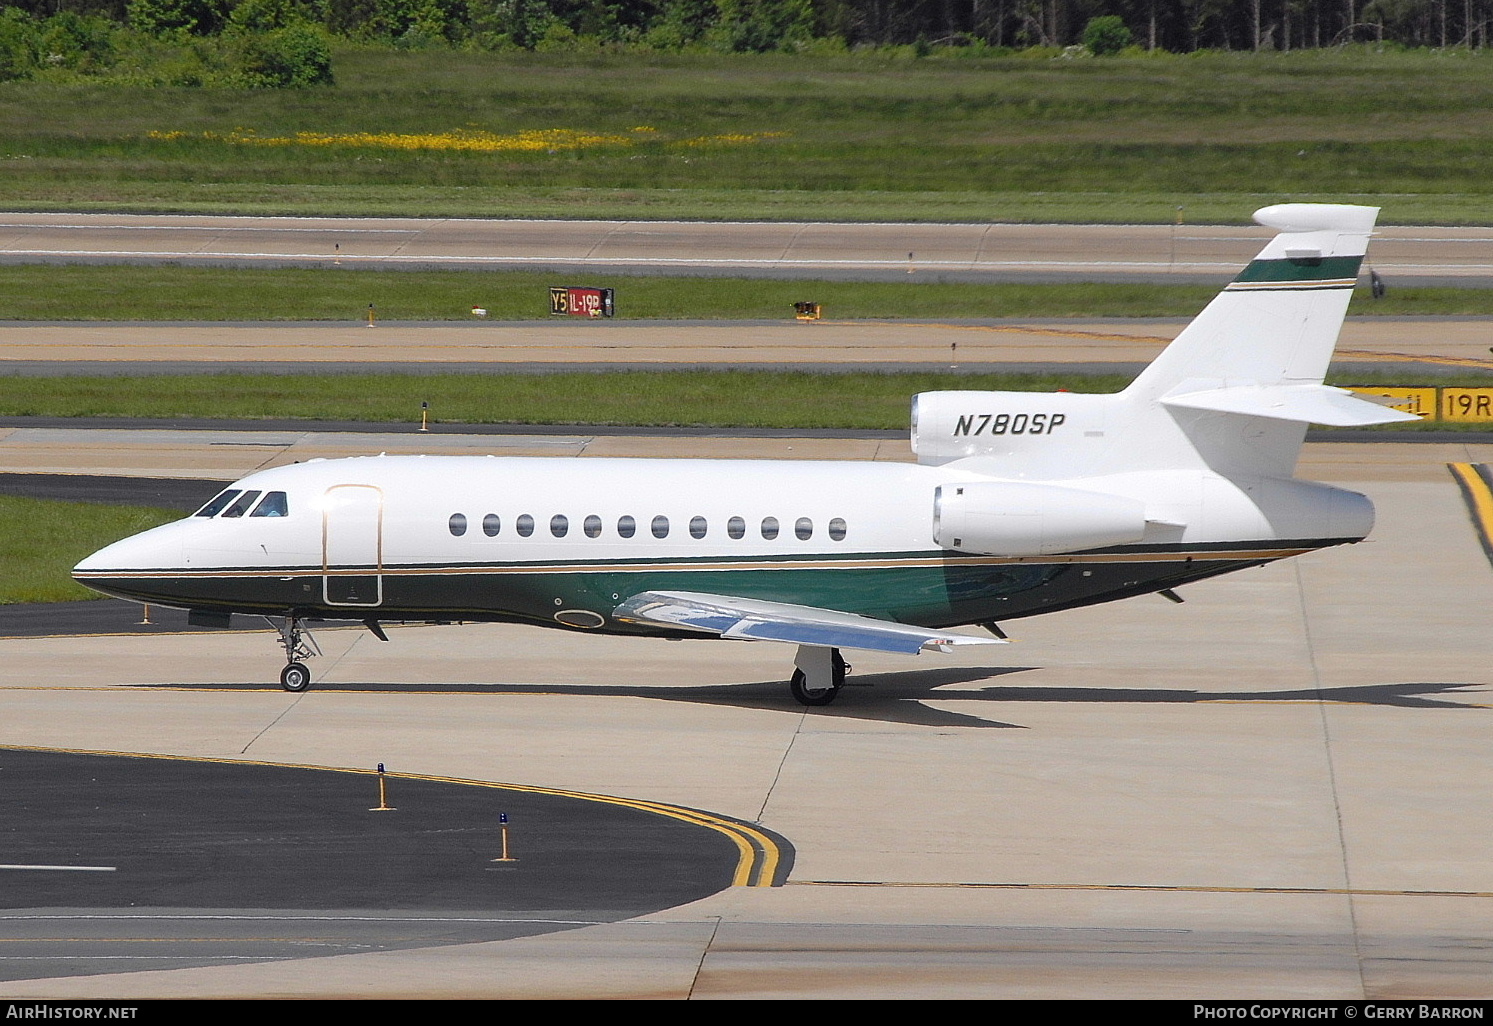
(581, 302)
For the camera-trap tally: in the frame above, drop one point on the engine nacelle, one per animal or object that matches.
(1010, 518)
(949, 426)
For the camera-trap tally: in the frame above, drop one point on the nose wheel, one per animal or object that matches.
(295, 677)
(298, 644)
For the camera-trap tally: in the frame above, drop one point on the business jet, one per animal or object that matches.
(1020, 503)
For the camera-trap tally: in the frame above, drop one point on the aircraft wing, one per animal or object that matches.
(758, 620)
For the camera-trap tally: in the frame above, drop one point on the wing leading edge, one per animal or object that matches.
(758, 620)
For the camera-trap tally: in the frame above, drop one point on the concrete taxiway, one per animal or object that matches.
(1416, 345)
(1277, 789)
(951, 252)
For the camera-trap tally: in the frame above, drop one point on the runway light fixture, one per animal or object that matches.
(503, 822)
(383, 797)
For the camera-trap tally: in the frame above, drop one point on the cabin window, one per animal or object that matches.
(736, 527)
(457, 524)
(626, 527)
(837, 529)
(698, 527)
(769, 528)
(524, 525)
(491, 525)
(592, 526)
(215, 507)
(272, 505)
(559, 525)
(241, 505)
(804, 529)
(660, 526)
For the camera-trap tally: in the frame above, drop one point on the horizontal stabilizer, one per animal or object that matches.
(758, 620)
(1306, 404)
(1317, 217)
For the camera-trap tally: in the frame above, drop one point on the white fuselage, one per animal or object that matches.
(436, 537)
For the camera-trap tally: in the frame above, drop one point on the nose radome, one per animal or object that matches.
(158, 548)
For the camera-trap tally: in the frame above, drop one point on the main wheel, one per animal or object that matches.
(295, 677)
(806, 695)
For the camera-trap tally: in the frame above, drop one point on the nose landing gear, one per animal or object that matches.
(298, 644)
(295, 677)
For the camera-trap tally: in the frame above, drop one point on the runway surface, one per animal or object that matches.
(950, 252)
(1274, 790)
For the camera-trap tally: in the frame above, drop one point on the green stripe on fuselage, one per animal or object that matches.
(1301, 269)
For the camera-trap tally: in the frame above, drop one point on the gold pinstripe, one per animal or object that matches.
(1314, 283)
(713, 565)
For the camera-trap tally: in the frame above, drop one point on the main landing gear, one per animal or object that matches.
(819, 675)
(298, 644)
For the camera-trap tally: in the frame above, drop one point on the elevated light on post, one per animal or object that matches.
(503, 822)
(383, 803)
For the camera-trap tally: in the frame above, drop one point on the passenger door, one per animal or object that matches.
(352, 545)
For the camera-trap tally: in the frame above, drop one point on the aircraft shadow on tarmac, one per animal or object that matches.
(903, 697)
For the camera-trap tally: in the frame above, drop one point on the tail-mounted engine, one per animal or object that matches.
(1024, 427)
(1011, 518)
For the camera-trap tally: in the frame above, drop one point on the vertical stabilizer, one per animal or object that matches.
(1232, 395)
(1244, 379)
(1278, 321)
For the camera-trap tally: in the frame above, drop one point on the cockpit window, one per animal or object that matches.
(272, 505)
(215, 507)
(241, 505)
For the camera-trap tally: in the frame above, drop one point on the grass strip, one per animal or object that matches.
(803, 137)
(73, 192)
(789, 399)
(43, 540)
(727, 398)
(176, 293)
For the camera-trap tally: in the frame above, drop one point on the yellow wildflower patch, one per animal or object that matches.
(470, 140)
(730, 139)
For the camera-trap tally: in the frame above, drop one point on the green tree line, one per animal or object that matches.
(286, 42)
(247, 43)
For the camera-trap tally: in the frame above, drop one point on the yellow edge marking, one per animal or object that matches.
(1357, 354)
(1181, 888)
(746, 838)
(1004, 329)
(1449, 361)
(1479, 501)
